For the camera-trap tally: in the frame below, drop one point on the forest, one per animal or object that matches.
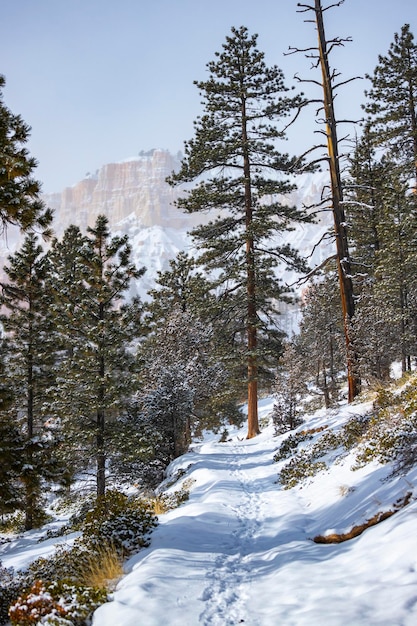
(99, 391)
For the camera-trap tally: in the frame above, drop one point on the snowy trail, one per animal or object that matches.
(212, 537)
(225, 594)
(240, 550)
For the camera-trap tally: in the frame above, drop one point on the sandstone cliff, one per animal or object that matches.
(135, 187)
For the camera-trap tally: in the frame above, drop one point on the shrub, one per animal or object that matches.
(290, 444)
(66, 563)
(10, 587)
(119, 520)
(327, 442)
(354, 430)
(164, 502)
(61, 603)
(13, 522)
(299, 468)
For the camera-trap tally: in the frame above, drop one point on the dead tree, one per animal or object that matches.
(320, 55)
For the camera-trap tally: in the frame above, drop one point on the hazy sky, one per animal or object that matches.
(100, 80)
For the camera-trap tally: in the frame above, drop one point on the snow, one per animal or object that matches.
(19, 552)
(240, 550)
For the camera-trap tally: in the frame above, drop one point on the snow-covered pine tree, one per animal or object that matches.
(382, 234)
(29, 367)
(290, 388)
(320, 342)
(20, 202)
(95, 378)
(392, 103)
(181, 285)
(11, 444)
(240, 175)
(179, 378)
(364, 205)
(396, 267)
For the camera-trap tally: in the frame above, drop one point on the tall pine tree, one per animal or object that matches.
(392, 102)
(94, 381)
(20, 202)
(239, 173)
(29, 371)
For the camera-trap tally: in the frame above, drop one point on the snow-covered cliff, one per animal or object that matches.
(137, 200)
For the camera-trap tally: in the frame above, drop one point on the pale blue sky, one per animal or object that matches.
(100, 80)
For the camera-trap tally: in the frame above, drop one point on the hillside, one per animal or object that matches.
(241, 550)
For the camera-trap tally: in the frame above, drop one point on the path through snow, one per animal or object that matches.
(240, 550)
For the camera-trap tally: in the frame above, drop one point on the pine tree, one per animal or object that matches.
(396, 266)
(392, 102)
(179, 378)
(30, 358)
(11, 444)
(382, 231)
(364, 206)
(182, 285)
(96, 330)
(320, 342)
(238, 170)
(20, 203)
(289, 389)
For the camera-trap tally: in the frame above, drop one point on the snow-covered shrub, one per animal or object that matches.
(115, 522)
(122, 521)
(164, 502)
(10, 587)
(56, 604)
(13, 522)
(347, 437)
(66, 563)
(299, 468)
(290, 444)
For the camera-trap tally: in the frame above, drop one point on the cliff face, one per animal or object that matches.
(138, 202)
(134, 187)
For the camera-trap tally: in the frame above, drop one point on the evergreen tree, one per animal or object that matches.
(375, 337)
(289, 389)
(238, 170)
(179, 379)
(11, 444)
(392, 102)
(320, 342)
(364, 206)
(20, 203)
(29, 369)
(96, 330)
(181, 286)
(382, 231)
(396, 266)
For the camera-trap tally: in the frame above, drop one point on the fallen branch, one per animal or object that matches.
(358, 530)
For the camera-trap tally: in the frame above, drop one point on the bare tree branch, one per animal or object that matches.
(314, 271)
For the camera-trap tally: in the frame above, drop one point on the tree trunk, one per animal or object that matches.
(100, 438)
(342, 250)
(29, 486)
(253, 424)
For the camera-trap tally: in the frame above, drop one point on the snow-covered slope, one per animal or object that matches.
(240, 551)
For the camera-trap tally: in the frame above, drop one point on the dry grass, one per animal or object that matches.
(160, 505)
(104, 568)
(358, 530)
